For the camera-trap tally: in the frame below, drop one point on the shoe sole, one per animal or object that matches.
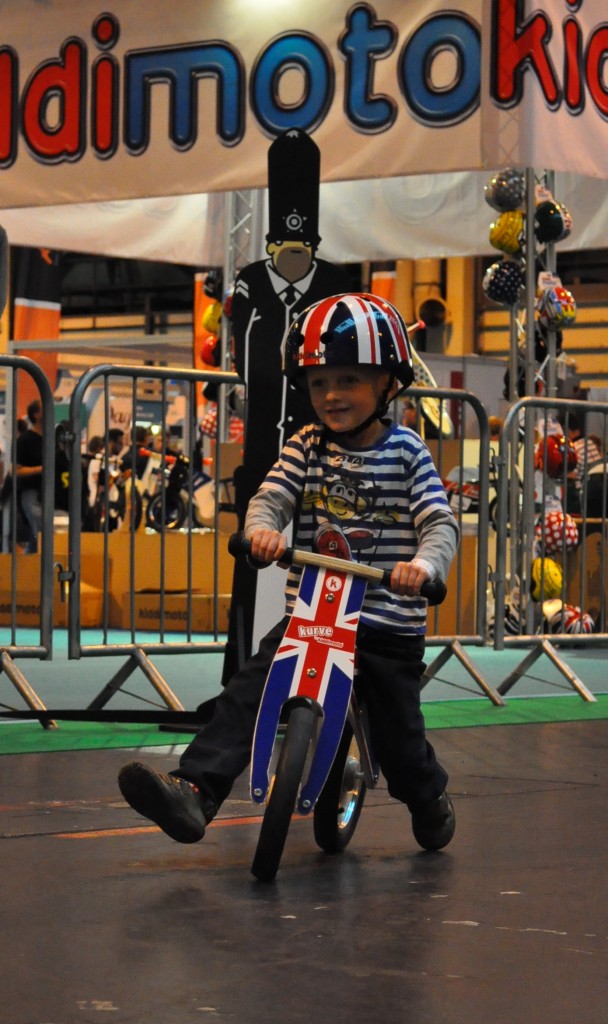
(145, 793)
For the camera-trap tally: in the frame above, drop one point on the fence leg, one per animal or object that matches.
(546, 648)
(162, 688)
(113, 686)
(456, 649)
(520, 671)
(138, 659)
(21, 684)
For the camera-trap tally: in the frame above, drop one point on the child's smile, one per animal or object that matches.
(344, 397)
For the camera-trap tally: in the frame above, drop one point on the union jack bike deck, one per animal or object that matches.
(315, 660)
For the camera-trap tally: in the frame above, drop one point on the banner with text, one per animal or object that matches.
(156, 100)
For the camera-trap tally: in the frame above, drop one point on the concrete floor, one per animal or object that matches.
(106, 918)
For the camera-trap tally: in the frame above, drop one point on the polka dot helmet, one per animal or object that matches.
(502, 282)
(505, 190)
(558, 531)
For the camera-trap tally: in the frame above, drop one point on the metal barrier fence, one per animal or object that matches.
(159, 559)
(551, 534)
(26, 579)
(461, 451)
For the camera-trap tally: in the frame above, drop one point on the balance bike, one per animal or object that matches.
(325, 763)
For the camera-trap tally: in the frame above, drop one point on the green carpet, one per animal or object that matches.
(455, 714)
(30, 737)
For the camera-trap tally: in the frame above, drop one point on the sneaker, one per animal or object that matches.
(434, 824)
(172, 803)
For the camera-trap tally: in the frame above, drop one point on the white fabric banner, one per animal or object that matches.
(395, 218)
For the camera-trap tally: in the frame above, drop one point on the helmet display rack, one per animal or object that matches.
(542, 307)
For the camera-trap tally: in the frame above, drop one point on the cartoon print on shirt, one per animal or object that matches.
(350, 504)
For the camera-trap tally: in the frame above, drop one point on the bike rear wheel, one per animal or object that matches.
(284, 792)
(340, 802)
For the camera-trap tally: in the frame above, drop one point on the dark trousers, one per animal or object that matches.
(390, 669)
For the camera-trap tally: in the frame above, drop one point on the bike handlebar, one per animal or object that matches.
(434, 591)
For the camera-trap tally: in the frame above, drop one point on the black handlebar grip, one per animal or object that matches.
(238, 545)
(434, 591)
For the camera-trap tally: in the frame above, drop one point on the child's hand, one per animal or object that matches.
(408, 577)
(267, 545)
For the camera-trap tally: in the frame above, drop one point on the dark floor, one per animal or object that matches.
(104, 918)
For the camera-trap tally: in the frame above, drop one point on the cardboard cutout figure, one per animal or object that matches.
(268, 295)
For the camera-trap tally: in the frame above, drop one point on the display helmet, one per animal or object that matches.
(353, 329)
(558, 531)
(557, 457)
(566, 618)
(556, 308)
(552, 222)
(546, 579)
(502, 282)
(507, 232)
(505, 190)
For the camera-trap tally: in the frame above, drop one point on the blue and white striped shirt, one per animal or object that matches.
(378, 505)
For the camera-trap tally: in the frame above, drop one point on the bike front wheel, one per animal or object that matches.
(284, 792)
(340, 802)
(174, 512)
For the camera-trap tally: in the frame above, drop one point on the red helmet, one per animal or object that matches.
(560, 457)
(354, 329)
(559, 532)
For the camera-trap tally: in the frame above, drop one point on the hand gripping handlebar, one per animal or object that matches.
(434, 591)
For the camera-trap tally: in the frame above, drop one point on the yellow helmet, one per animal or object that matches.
(212, 316)
(507, 231)
(547, 579)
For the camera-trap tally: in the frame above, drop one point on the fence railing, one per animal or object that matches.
(463, 463)
(155, 576)
(551, 534)
(26, 579)
(160, 557)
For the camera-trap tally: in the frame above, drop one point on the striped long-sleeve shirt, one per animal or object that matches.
(376, 505)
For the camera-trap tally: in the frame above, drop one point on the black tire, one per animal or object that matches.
(340, 802)
(175, 512)
(283, 795)
(132, 515)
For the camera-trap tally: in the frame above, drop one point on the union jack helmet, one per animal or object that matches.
(353, 329)
(566, 618)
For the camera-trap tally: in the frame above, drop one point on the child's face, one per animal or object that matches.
(344, 397)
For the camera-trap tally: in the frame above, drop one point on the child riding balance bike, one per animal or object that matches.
(360, 487)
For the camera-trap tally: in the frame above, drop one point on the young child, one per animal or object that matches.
(358, 486)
